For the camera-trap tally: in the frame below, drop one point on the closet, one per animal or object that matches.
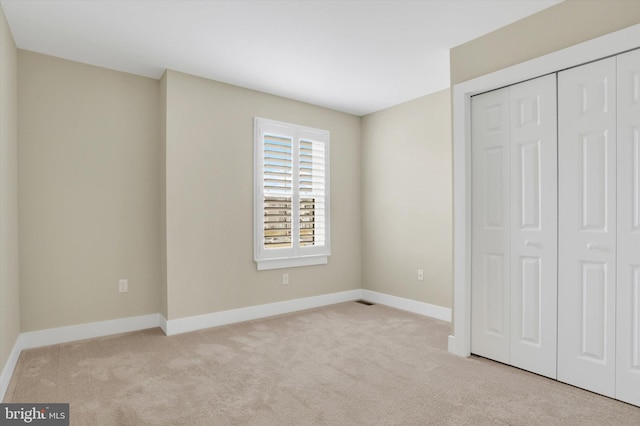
(555, 248)
(514, 239)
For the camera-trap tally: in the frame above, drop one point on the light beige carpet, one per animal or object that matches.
(347, 364)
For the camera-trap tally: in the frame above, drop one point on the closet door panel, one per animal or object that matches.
(490, 326)
(628, 303)
(533, 124)
(587, 226)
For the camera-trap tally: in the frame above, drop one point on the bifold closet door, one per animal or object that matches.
(514, 237)
(534, 224)
(587, 226)
(490, 328)
(628, 306)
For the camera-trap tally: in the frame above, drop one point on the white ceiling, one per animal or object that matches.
(354, 56)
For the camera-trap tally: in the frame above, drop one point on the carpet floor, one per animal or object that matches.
(346, 364)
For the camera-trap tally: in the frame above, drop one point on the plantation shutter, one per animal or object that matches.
(278, 191)
(291, 210)
(312, 193)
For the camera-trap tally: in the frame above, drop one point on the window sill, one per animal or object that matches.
(266, 264)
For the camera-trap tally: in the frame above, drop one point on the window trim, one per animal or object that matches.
(296, 255)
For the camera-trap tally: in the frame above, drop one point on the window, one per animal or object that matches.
(291, 206)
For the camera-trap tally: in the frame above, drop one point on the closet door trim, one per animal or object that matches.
(601, 47)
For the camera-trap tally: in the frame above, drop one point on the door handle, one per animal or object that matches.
(592, 246)
(530, 243)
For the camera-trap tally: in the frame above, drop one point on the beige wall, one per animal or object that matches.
(9, 289)
(406, 200)
(89, 192)
(566, 24)
(209, 178)
(127, 177)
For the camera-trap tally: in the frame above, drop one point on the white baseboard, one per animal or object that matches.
(426, 309)
(184, 325)
(7, 371)
(52, 336)
(199, 322)
(34, 339)
(163, 324)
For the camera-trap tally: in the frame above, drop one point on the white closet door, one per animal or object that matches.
(533, 125)
(587, 226)
(628, 306)
(490, 224)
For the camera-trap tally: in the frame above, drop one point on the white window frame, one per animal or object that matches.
(296, 255)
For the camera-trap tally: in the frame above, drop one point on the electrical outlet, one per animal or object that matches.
(285, 279)
(123, 286)
(420, 275)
